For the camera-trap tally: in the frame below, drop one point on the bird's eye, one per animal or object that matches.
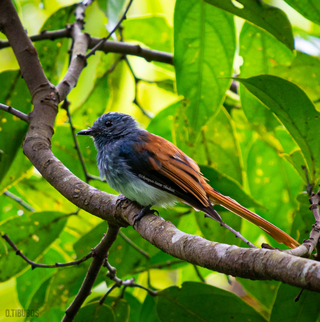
(108, 123)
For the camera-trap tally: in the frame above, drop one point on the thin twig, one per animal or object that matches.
(199, 274)
(99, 255)
(19, 200)
(137, 80)
(13, 111)
(101, 43)
(119, 282)
(34, 265)
(159, 266)
(131, 243)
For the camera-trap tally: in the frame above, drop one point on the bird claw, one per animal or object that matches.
(143, 212)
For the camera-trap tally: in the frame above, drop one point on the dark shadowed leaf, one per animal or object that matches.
(305, 310)
(14, 92)
(96, 313)
(206, 302)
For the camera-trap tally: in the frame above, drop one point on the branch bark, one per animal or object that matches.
(108, 47)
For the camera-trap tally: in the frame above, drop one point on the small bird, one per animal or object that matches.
(152, 171)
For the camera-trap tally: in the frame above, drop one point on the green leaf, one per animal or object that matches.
(162, 123)
(201, 302)
(32, 234)
(274, 183)
(229, 187)
(308, 8)
(96, 313)
(31, 281)
(149, 310)
(260, 52)
(304, 71)
(153, 31)
(112, 9)
(52, 54)
(18, 169)
(120, 308)
(303, 219)
(304, 310)
(204, 47)
(14, 92)
(294, 109)
(217, 145)
(272, 19)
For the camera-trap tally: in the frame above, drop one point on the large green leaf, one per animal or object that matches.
(204, 47)
(294, 109)
(264, 16)
(14, 92)
(305, 310)
(32, 234)
(260, 52)
(308, 8)
(201, 302)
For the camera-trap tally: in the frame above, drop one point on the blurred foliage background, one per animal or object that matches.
(250, 142)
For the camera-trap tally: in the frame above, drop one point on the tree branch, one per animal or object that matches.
(13, 111)
(34, 264)
(108, 47)
(100, 253)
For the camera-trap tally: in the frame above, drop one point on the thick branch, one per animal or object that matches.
(22, 46)
(256, 264)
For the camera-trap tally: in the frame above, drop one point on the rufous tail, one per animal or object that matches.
(230, 204)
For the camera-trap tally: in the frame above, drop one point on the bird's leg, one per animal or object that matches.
(143, 212)
(237, 234)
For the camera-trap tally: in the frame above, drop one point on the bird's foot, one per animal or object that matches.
(144, 211)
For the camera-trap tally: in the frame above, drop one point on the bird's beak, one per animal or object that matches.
(85, 132)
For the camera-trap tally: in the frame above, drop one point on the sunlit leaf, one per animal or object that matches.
(204, 46)
(272, 19)
(32, 234)
(308, 8)
(146, 30)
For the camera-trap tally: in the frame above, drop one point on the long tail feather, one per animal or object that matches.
(230, 204)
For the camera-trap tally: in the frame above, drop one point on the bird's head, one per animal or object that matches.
(110, 126)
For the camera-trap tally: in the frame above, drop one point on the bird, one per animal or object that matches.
(152, 171)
